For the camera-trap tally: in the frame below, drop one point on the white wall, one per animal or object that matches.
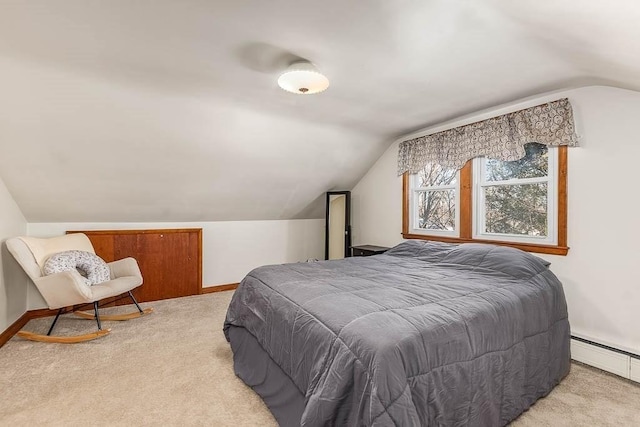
(230, 249)
(600, 273)
(13, 281)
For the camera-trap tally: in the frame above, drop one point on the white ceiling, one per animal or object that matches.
(159, 110)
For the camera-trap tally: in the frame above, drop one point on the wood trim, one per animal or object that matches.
(541, 249)
(115, 317)
(14, 328)
(466, 213)
(45, 312)
(199, 232)
(219, 288)
(405, 202)
(466, 200)
(145, 231)
(563, 166)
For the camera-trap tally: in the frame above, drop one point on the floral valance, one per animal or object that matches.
(501, 138)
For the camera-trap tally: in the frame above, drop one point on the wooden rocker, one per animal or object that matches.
(68, 288)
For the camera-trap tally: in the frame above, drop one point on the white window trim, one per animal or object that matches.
(479, 183)
(413, 206)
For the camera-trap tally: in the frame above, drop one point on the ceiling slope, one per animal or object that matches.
(169, 110)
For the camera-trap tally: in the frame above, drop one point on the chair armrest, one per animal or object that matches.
(125, 267)
(63, 289)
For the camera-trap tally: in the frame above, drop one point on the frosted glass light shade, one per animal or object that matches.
(303, 78)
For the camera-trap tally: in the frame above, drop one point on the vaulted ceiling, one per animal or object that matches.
(167, 110)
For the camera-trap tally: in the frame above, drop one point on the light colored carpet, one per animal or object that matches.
(174, 368)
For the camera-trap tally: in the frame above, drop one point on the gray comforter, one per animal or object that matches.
(426, 334)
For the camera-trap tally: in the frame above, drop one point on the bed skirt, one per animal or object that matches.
(256, 368)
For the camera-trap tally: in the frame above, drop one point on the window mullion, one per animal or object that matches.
(466, 201)
(436, 188)
(516, 181)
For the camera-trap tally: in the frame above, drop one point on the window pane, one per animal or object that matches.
(534, 164)
(435, 175)
(437, 210)
(516, 209)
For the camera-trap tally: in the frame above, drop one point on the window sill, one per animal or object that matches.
(528, 247)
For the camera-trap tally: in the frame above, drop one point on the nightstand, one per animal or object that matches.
(368, 250)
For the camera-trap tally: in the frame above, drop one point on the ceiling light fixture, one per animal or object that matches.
(303, 78)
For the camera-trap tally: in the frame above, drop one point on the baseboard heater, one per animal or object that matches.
(607, 358)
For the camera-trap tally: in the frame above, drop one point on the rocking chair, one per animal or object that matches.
(67, 288)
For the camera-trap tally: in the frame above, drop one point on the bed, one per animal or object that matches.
(426, 334)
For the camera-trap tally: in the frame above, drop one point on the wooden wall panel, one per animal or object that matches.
(103, 244)
(170, 260)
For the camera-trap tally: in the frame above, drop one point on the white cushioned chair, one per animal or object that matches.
(68, 288)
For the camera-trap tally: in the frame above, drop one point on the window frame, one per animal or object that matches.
(414, 214)
(465, 212)
(480, 183)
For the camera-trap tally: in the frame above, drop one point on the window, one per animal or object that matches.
(516, 201)
(435, 196)
(520, 203)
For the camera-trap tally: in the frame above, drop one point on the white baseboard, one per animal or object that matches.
(634, 371)
(608, 360)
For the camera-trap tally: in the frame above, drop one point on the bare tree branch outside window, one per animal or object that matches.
(437, 208)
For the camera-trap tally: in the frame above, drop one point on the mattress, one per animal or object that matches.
(425, 334)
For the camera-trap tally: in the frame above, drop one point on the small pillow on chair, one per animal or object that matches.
(91, 266)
